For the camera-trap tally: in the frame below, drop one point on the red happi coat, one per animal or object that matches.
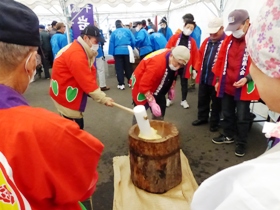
(72, 77)
(246, 93)
(174, 41)
(46, 161)
(148, 75)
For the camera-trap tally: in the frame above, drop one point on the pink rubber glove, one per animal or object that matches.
(153, 104)
(171, 94)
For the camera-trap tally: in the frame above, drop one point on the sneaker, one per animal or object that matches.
(129, 85)
(185, 104)
(222, 139)
(168, 102)
(240, 150)
(121, 87)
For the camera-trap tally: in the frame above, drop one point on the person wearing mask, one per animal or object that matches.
(74, 76)
(234, 84)
(196, 35)
(142, 40)
(253, 184)
(44, 158)
(46, 50)
(206, 92)
(59, 40)
(100, 59)
(152, 26)
(121, 45)
(185, 73)
(164, 29)
(158, 41)
(155, 77)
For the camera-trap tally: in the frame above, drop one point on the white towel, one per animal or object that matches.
(131, 54)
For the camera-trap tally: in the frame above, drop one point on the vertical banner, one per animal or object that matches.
(81, 18)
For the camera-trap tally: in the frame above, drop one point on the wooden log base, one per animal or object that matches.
(155, 165)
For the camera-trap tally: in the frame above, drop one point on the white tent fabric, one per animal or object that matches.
(203, 12)
(127, 10)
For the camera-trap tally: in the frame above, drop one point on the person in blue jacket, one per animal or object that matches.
(165, 30)
(59, 39)
(121, 45)
(158, 41)
(142, 39)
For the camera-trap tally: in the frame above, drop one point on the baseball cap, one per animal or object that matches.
(236, 19)
(18, 24)
(214, 25)
(181, 53)
(42, 27)
(93, 31)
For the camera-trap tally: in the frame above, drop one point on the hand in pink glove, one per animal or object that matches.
(171, 94)
(153, 104)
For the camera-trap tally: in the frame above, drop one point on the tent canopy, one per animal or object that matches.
(107, 11)
(50, 9)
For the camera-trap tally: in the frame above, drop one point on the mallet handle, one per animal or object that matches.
(123, 107)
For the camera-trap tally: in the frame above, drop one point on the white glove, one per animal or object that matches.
(194, 74)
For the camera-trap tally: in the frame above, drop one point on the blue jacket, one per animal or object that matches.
(158, 41)
(100, 50)
(119, 40)
(143, 42)
(168, 33)
(58, 41)
(196, 35)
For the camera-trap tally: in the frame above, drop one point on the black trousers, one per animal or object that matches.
(184, 87)
(207, 96)
(236, 118)
(80, 121)
(123, 66)
(46, 65)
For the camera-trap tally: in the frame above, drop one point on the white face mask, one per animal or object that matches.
(94, 47)
(187, 32)
(238, 34)
(173, 68)
(137, 29)
(31, 79)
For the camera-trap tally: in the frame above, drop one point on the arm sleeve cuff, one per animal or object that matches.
(249, 78)
(99, 96)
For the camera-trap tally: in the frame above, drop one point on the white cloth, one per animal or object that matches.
(131, 54)
(136, 53)
(129, 197)
(101, 72)
(252, 185)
